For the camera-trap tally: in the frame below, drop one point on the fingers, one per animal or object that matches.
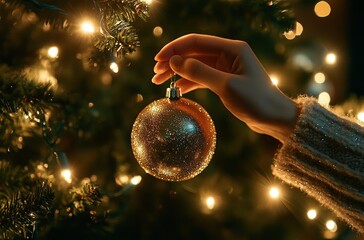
(196, 71)
(187, 86)
(196, 44)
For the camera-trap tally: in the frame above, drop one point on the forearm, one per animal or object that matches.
(324, 157)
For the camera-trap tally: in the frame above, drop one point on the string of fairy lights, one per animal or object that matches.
(209, 202)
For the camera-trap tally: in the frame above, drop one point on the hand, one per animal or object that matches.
(231, 70)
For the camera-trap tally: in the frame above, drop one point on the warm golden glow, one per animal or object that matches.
(274, 79)
(158, 31)
(320, 77)
(311, 214)
(136, 180)
(331, 225)
(147, 1)
(299, 29)
(66, 174)
(87, 27)
(274, 192)
(324, 99)
(360, 116)
(330, 58)
(210, 202)
(114, 67)
(322, 9)
(53, 52)
(290, 35)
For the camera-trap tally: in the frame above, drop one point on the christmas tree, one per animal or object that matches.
(74, 76)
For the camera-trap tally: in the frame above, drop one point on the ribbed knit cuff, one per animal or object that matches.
(324, 157)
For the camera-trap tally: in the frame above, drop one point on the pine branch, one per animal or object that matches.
(19, 215)
(22, 103)
(116, 35)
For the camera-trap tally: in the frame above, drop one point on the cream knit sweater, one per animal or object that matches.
(324, 157)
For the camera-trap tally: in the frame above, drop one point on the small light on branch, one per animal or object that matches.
(210, 202)
(114, 67)
(330, 58)
(360, 116)
(136, 180)
(311, 214)
(53, 52)
(274, 193)
(87, 27)
(320, 77)
(324, 99)
(322, 9)
(331, 225)
(66, 174)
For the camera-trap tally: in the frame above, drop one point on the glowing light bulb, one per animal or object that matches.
(331, 225)
(322, 9)
(274, 192)
(114, 67)
(274, 80)
(290, 35)
(136, 180)
(66, 174)
(360, 116)
(324, 99)
(210, 202)
(53, 52)
(148, 1)
(320, 77)
(311, 214)
(158, 31)
(330, 58)
(299, 29)
(87, 27)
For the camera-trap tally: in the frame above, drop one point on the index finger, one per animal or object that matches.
(196, 44)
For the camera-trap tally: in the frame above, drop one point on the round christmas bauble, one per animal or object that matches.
(173, 140)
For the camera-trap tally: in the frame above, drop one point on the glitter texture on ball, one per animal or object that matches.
(173, 140)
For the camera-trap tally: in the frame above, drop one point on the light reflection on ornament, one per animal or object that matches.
(322, 9)
(274, 80)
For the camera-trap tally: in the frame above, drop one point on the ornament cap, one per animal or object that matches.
(173, 92)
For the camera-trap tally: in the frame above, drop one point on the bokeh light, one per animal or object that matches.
(322, 9)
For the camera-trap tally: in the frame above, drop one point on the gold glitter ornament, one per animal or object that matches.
(173, 138)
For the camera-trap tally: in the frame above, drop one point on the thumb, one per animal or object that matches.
(198, 72)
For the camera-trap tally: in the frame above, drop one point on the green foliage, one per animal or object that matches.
(114, 19)
(20, 214)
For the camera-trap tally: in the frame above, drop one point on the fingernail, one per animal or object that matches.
(153, 79)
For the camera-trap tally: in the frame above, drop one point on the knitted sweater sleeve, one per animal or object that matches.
(324, 157)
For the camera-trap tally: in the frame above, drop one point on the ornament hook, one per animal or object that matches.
(173, 92)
